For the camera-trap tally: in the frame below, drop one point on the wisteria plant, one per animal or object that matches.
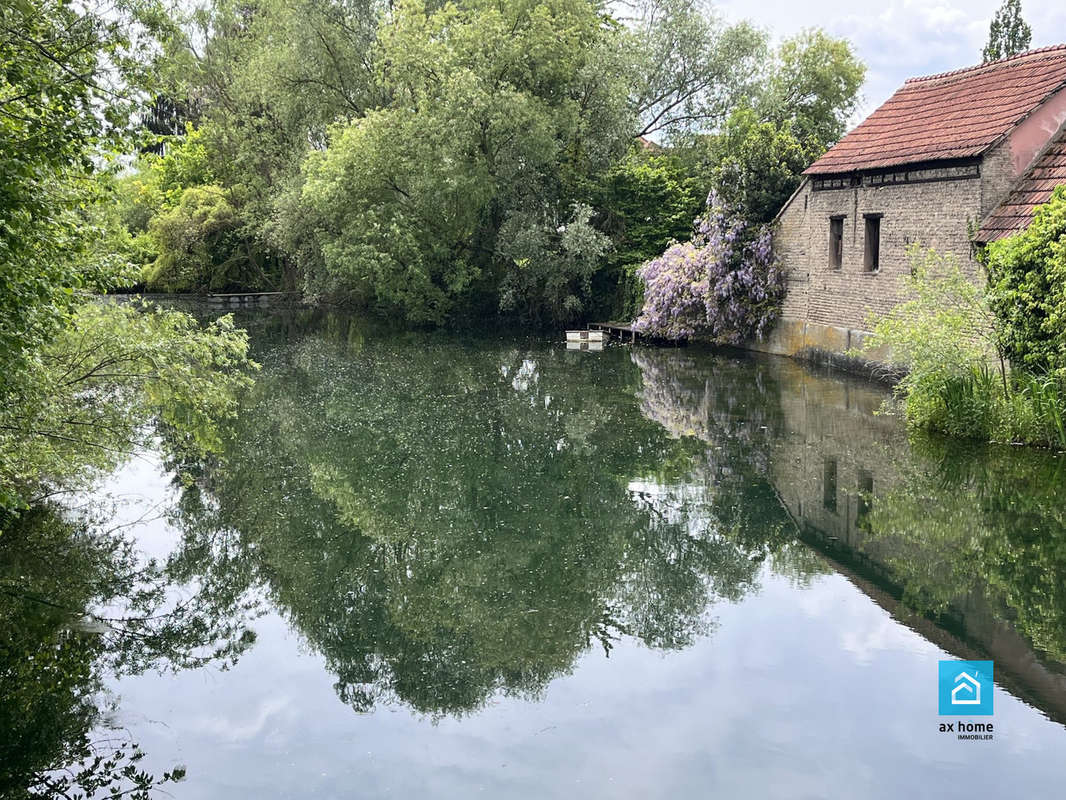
(724, 284)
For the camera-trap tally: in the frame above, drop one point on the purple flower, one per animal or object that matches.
(725, 283)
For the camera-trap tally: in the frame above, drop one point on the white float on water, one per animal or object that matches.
(585, 336)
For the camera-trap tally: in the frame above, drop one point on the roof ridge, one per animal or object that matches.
(988, 65)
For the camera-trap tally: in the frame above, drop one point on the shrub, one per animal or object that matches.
(1027, 281)
(724, 284)
(951, 342)
(194, 240)
(648, 199)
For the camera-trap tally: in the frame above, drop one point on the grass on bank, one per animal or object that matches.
(959, 379)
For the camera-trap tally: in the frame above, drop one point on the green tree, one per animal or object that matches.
(690, 69)
(79, 380)
(465, 190)
(648, 200)
(432, 160)
(183, 228)
(755, 159)
(1027, 280)
(813, 88)
(755, 166)
(1008, 33)
(195, 241)
(263, 80)
(157, 182)
(57, 108)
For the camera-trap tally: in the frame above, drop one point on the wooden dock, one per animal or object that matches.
(616, 330)
(625, 332)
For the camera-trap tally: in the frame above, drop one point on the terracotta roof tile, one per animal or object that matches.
(1033, 189)
(956, 114)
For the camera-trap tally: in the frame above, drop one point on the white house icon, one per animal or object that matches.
(966, 684)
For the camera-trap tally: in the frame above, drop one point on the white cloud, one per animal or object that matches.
(900, 39)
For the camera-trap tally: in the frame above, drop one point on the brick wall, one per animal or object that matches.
(792, 244)
(997, 177)
(937, 214)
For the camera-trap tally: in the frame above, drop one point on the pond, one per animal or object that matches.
(444, 565)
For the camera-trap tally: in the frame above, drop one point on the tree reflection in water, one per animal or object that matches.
(450, 519)
(967, 522)
(78, 606)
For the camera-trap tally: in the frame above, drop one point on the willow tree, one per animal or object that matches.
(465, 189)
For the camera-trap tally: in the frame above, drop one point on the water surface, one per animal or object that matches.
(455, 565)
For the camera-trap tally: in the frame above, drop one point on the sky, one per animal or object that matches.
(900, 39)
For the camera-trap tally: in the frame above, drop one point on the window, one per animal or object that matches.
(872, 254)
(829, 484)
(836, 242)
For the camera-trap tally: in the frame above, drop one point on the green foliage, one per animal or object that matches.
(157, 182)
(55, 111)
(79, 381)
(468, 178)
(404, 500)
(950, 340)
(755, 160)
(1008, 33)
(267, 78)
(1027, 277)
(425, 159)
(78, 607)
(185, 230)
(649, 200)
(264, 80)
(552, 270)
(946, 324)
(755, 165)
(813, 87)
(945, 336)
(980, 528)
(194, 239)
(408, 247)
(689, 68)
(83, 406)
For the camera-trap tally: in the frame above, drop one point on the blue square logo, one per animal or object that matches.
(965, 688)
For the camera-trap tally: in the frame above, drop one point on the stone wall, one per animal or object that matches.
(937, 214)
(831, 309)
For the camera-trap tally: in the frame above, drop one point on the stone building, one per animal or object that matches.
(949, 161)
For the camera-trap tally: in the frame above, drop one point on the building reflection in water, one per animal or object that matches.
(965, 545)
